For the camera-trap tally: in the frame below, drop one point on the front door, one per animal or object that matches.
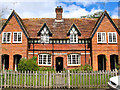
(59, 64)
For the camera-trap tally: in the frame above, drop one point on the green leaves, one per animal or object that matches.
(28, 65)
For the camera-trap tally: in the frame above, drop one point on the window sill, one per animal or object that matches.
(101, 43)
(74, 65)
(44, 65)
(17, 42)
(6, 43)
(112, 42)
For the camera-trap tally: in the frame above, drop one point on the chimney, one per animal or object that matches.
(59, 11)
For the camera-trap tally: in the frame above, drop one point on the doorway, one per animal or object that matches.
(113, 61)
(101, 62)
(59, 64)
(16, 61)
(5, 62)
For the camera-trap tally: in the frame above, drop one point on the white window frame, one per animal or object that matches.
(17, 37)
(112, 37)
(45, 41)
(6, 37)
(74, 38)
(42, 60)
(101, 37)
(71, 60)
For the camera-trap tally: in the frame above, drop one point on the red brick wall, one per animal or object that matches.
(106, 49)
(12, 49)
(64, 56)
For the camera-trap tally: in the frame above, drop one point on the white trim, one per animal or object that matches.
(32, 53)
(112, 37)
(59, 53)
(101, 37)
(73, 38)
(42, 60)
(71, 60)
(17, 37)
(59, 20)
(6, 37)
(84, 53)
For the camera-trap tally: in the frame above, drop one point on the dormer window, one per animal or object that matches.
(44, 35)
(73, 36)
(74, 33)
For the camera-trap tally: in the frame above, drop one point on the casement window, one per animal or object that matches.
(73, 36)
(44, 35)
(101, 37)
(44, 59)
(74, 59)
(17, 37)
(6, 37)
(112, 37)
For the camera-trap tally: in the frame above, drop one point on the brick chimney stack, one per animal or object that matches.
(59, 11)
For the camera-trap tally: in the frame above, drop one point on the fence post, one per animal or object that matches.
(1, 78)
(118, 72)
(68, 74)
(49, 77)
(5, 79)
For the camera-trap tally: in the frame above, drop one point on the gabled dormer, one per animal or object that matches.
(44, 33)
(73, 33)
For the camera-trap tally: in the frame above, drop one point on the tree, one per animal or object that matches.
(95, 15)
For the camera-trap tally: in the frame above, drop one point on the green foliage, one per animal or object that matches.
(28, 65)
(95, 15)
(117, 66)
(31, 65)
(46, 69)
(86, 67)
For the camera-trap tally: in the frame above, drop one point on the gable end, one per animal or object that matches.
(99, 22)
(19, 22)
(39, 32)
(75, 29)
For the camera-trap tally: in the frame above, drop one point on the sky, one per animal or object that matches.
(46, 8)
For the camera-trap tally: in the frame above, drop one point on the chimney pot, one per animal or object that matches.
(59, 11)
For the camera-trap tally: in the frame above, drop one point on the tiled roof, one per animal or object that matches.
(59, 30)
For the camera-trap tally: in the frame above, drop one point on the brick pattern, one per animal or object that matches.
(12, 48)
(59, 31)
(106, 49)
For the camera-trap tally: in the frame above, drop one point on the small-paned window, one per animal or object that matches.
(101, 37)
(6, 37)
(74, 59)
(44, 59)
(73, 36)
(44, 35)
(112, 37)
(17, 37)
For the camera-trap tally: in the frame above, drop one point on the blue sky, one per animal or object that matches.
(46, 8)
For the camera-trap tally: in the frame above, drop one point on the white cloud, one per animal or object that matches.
(46, 8)
(114, 13)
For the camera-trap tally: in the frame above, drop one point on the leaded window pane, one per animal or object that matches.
(110, 37)
(4, 37)
(19, 37)
(73, 59)
(114, 37)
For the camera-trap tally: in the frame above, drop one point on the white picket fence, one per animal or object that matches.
(48, 79)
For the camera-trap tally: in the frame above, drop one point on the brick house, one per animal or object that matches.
(61, 42)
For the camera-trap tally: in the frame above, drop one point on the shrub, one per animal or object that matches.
(86, 67)
(28, 65)
(117, 66)
(46, 69)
